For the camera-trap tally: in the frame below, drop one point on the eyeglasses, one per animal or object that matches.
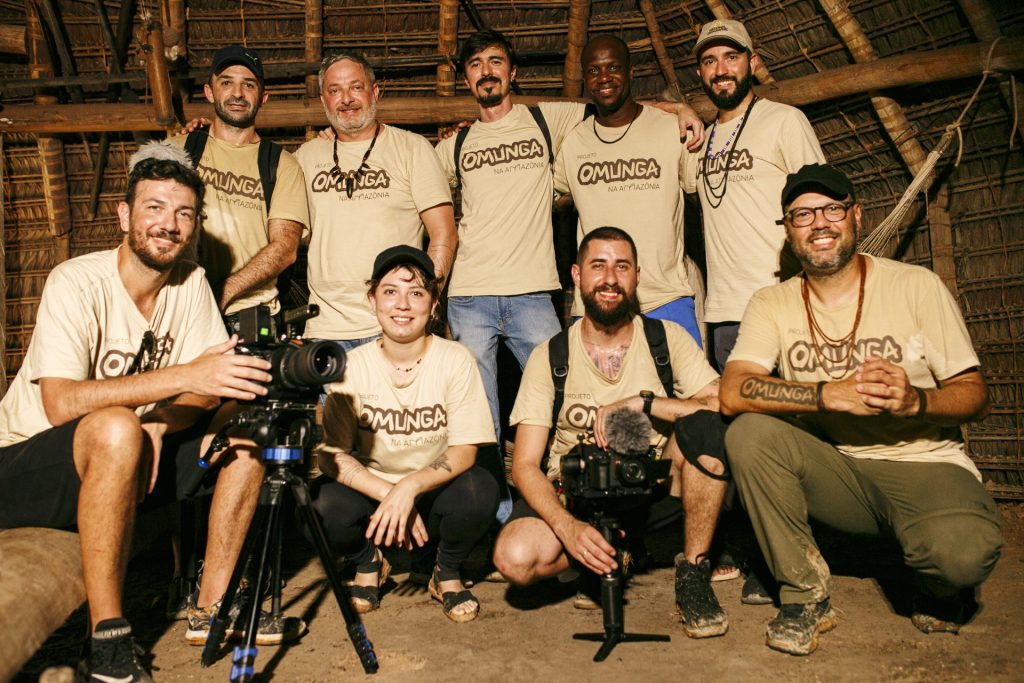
(148, 349)
(802, 216)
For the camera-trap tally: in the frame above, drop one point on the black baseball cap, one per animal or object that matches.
(236, 54)
(823, 178)
(402, 255)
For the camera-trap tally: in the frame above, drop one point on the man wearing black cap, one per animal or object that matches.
(859, 428)
(247, 239)
(738, 173)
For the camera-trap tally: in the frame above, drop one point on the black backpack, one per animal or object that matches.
(558, 357)
(268, 158)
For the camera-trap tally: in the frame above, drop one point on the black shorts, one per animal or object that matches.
(39, 483)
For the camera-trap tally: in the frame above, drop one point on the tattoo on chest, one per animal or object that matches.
(608, 361)
(757, 389)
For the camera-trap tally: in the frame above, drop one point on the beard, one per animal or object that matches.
(724, 100)
(488, 99)
(610, 316)
(366, 117)
(160, 260)
(236, 120)
(823, 266)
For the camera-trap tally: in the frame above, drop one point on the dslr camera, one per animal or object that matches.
(591, 473)
(298, 368)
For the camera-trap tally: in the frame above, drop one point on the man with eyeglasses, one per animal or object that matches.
(371, 187)
(111, 406)
(738, 174)
(859, 428)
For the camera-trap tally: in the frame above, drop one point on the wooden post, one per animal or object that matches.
(664, 61)
(720, 11)
(901, 133)
(579, 20)
(176, 32)
(3, 280)
(447, 44)
(986, 28)
(159, 77)
(12, 39)
(314, 43)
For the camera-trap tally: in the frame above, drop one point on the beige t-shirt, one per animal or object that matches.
(632, 184)
(505, 239)
(908, 318)
(397, 429)
(88, 328)
(235, 223)
(744, 245)
(587, 388)
(404, 180)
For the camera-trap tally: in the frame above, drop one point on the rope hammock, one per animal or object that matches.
(876, 242)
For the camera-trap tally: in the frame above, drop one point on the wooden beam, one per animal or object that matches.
(668, 69)
(12, 39)
(314, 43)
(720, 11)
(176, 31)
(158, 75)
(447, 45)
(579, 21)
(919, 68)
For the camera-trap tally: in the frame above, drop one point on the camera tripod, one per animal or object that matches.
(285, 430)
(612, 608)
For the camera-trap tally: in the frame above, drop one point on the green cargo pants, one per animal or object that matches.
(943, 518)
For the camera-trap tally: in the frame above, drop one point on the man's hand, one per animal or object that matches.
(154, 432)
(600, 433)
(587, 545)
(445, 132)
(201, 122)
(690, 121)
(218, 372)
(327, 134)
(393, 521)
(885, 386)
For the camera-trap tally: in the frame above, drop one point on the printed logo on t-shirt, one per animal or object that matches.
(580, 416)
(390, 421)
(503, 155)
(617, 171)
(737, 160)
(362, 188)
(803, 358)
(116, 363)
(231, 183)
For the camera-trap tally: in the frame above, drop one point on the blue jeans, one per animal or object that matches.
(523, 321)
(681, 311)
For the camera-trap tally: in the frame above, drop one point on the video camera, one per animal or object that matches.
(627, 468)
(298, 368)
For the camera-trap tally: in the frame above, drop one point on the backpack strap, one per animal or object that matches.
(558, 358)
(460, 139)
(267, 159)
(195, 144)
(654, 330)
(538, 116)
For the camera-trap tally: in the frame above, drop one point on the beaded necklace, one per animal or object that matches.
(715, 193)
(847, 342)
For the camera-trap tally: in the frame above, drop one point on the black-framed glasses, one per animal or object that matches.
(803, 216)
(147, 350)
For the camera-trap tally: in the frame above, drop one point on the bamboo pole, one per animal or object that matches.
(447, 44)
(985, 26)
(176, 32)
(902, 136)
(720, 11)
(12, 39)
(314, 43)
(159, 77)
(664, 61)
(962, 61)
(579, 20)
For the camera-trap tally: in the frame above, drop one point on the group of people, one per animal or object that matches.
(840, 393)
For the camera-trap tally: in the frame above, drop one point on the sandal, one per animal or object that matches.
(367, 598)
(452, 599)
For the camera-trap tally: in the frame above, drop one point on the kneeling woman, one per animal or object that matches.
(401, 435)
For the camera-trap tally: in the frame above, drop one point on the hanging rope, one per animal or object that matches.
(876, 242)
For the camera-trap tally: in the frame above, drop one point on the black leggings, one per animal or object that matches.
(456, 515)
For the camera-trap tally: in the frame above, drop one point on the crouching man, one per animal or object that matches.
(859, 430)
(611, 364)
(111, 405)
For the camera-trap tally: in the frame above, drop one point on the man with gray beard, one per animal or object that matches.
(372, 187)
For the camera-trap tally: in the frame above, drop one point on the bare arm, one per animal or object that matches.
(346, 470)
(662, 408)
(267, 264)
(688, 120)
(748, 388)
(215, 373)
(440, 224)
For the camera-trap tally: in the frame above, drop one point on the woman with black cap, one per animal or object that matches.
(401, 435)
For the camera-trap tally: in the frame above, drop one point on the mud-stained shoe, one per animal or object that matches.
(943, 615)
(795, 629)
(112, 655)
(703, 616)
(269, 630)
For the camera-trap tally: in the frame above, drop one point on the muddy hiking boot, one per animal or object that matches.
(111, 655)
(943, 615)
(795, 629)
(703, 616)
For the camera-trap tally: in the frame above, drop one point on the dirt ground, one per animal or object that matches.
(526, 634)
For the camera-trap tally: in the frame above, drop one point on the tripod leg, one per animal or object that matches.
(356, 631)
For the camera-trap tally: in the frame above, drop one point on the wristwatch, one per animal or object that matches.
(648, 397)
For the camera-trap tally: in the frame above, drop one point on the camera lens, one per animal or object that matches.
(632, 472)
(311, 365)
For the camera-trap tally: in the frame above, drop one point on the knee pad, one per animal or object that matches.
(703, 433)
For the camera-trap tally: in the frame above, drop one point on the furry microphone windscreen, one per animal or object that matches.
(164, 151)
(628, 431)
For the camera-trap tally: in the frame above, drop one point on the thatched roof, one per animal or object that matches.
(970, 229)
